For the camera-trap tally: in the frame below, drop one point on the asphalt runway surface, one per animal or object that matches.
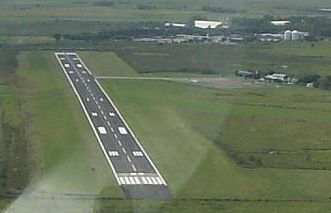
(134, 171)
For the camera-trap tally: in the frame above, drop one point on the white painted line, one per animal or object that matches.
(124, 150)
(149, 181)
(89, 119)
(129, 159)
(87, 99)
(102, 130)
(96, 102)
(119, 143)
(99, 106)
(137, 153)
(113, 153)
(104, 117)
(132, 180)
(115, 136)
(122, 180)
(144, 180)
(122, 130)
(154, 180)
(134, 168)
(112, 129)
(141, 173)
(108, 123)
(127, 180)
(101, 99)
(111, 114)
(159, 180)
(102, 112)
(94, 114)
(137, 180)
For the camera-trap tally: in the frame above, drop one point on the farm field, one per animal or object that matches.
(188, 126)
(217, 138)
(71, 17)
(212, 60)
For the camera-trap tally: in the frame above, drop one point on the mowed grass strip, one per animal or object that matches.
(106, 64)
(65, 155)
(178, 125)
(210, 206)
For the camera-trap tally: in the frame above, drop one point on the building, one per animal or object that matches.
(168, 24)
(278, 77)
(206, 24)
(280, 23)
(294, 35)
(288, 35)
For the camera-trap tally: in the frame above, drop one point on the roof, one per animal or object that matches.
(280, 23)
(206, 24)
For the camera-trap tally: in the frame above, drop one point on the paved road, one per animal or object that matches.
(133, 169)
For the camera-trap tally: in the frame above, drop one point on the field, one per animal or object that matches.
(184, 127)
(34, 17)
(231, 149)
(63, 156)
(300, 58)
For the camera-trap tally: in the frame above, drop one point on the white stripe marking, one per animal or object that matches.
(159, 180)
(149, 180)
(144, 180)
(122, 130)
(127, 180)
(137, 180)
(132, 180)
(102, 130)
(154, 180)
(122, 180)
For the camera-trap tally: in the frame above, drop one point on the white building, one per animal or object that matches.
(168, 24)
(288, 35)
(280, 23)
(276, 76)
(207, 24)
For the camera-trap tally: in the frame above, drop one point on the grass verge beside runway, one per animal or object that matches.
(64, 155)
(106, 64)
(181, 127)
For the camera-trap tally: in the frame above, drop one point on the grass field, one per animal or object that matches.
(181, 125)
(64, 156)
(33, 17)
(185, 60)
(106, 64)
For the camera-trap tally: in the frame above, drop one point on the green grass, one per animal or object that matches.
(106, 64)
(188, 206)
(64, 156)
(179, 125)
(34, 17)
(299, 57)
(64, 149)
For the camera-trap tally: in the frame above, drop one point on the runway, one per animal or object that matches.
(134, 171)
